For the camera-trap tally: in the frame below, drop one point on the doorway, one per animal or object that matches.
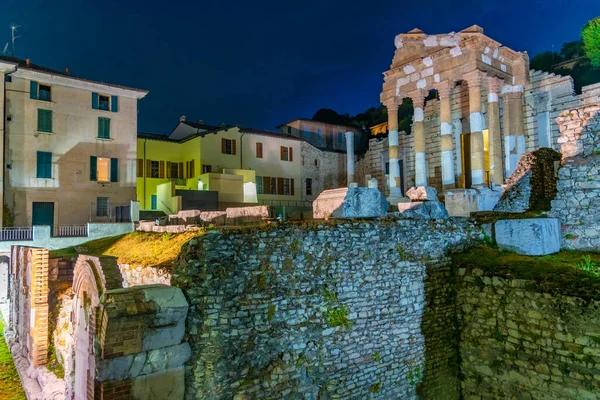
(43, 214)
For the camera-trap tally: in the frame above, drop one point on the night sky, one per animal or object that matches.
(261, 63)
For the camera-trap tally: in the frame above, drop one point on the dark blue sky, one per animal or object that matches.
(261, 63)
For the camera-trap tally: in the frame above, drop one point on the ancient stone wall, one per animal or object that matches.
(338, 311)
(138, 275)
(519, 343)
(327, 170)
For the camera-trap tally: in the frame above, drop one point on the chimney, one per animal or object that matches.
(182, 118)
(67, 70)
(28, 62)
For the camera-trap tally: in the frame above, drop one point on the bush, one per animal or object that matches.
(590, 34)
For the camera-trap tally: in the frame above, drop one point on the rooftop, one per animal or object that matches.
(316, 122)
(28, 65)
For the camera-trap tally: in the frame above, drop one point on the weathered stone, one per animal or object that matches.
(423, 210)
(534, 236)
(350, 203)
(422, 193)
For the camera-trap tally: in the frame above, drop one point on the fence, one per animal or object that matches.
(286, 203)
(16, 233)
(70, 231)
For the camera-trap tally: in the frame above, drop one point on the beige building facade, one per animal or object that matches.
(70, 146)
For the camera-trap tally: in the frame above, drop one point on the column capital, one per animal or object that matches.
(494, 84)
(418, 97)
(444, 89)
(391, 104)
(474, 78)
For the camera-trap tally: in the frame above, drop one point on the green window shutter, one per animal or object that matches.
(49, 120)
(103, 128)
(48, 165)
(114, 103)
(95, 101)
(93, 168)
(107, 128)
(33, 90)
(40, 164)
(44, 120)
(44, 164)
(41, 120)
(100, 126)
(114, 170)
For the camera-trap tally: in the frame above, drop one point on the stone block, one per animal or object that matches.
(350, 203)
(533, 236)
(423, 210)
(463, 202)
(422, 193)
(168, 384)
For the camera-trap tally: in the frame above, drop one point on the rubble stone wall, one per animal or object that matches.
(519, 343)
(344, 311)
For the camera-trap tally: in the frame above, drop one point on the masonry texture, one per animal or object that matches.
(519, 343)
(343, 311)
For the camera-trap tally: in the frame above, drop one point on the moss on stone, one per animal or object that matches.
(338, 316)
(553, 274)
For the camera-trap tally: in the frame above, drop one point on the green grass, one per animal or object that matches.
(143, 248)
(10, 383)
(557, 273)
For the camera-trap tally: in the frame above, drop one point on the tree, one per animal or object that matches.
(590, 35)
(546, 61)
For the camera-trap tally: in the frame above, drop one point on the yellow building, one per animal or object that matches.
(243, 165)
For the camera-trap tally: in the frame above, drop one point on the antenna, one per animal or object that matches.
(5, 49)
(13, 29)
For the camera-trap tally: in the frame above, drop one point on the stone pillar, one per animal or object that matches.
(418, 98)
(495, 137)
(514, 138)
(447, 140)
(394, 175)
(473, 80)
(350, 156)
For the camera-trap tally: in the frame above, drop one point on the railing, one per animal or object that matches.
(70, 230)
(286, 203)
(16, 233)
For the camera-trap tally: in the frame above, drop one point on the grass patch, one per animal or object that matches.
(145, 248)
(490, 217)
(10, 383)
(555, 273)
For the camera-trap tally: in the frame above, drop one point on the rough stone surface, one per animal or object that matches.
(423, 210)
(347, 311)
(462, 202)
(532, 236)
(533, 183)
(519, 343)
(350, 203)
(422, 193)
(137, 275)
(577, 203)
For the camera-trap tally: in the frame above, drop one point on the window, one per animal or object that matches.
(340, 137)
(140, 168)
(44, 120)
(44, 164)
(103, 102)
(206, 169)
(103, 128)
(228, 146)
(7, 78)
(259, 185)
(309, 186)
(273, 183)
(174, 170)
(154, 173)
(289, 129)
(316, 162)
(319, 134)
(387, 167)
(286, 186)
(259, 150)
(190, 169)
(286, 154)
(45, 93)
(103, 169)
(306, 134)
(102, 207)
(153, 202)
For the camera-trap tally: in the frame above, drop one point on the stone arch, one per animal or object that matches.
(89, 283)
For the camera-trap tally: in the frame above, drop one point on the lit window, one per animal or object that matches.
(259, 185)
(154, 169)
(45, 93)
(103, 102)
(102, 206)
(103, 169)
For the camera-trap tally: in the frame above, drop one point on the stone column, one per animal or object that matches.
(495, 138)
(350, 156)
(514, 138)
(473, 80)
(394, 175)
(418, 98)
(447, 142)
